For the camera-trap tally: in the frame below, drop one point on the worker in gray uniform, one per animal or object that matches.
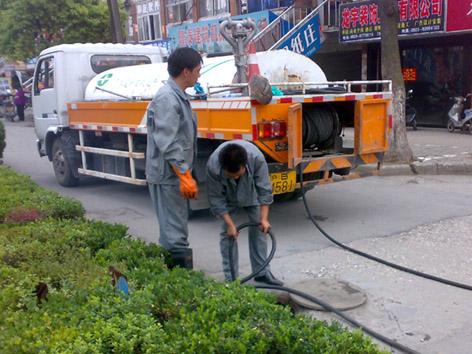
(238, 177)
(171, 150)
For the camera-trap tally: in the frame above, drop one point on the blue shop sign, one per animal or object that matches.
(164, 43)
(306, 40)
(205, 36)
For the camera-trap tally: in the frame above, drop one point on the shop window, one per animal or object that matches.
(44, 75)
(178, 11)
(210, 8)
(100, 63)
(149, 27)
(438, 77)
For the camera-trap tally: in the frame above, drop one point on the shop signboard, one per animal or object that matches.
(306, 40)
(149, 7)
(205, 36)
(164, 43)
(459, 15)
(361, 20)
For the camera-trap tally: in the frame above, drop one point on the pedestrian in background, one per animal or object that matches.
(20, 102)
(171, 150)
(238, 177)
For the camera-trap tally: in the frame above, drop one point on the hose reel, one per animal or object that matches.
(320, 127)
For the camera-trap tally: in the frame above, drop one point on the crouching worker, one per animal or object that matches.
(238, 177)
(171, 148)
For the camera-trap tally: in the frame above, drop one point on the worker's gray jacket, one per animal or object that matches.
(171, 134)
(253, 188)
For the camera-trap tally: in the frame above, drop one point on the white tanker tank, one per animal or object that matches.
(143, 81)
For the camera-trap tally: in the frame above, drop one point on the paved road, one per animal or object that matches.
(422, 221)
(352, 210)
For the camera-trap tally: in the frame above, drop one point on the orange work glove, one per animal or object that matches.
(188, 186)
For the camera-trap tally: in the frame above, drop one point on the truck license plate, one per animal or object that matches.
(283, 182)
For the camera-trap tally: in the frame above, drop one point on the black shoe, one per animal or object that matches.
(181, 257)
(269, 278)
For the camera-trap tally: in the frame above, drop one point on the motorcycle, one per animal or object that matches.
(460, 118)
(8, 107)
(410, 112)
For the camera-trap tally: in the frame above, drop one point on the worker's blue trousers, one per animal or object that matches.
(172, 213)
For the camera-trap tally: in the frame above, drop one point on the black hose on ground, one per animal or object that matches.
(369, 256)
(311, 298)
(348, 319)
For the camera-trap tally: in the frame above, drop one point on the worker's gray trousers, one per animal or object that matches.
(172, 213)
(257, 245)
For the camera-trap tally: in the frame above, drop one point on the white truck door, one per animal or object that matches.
(44, 96)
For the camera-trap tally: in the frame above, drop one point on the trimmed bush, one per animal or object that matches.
(66, 262)
(166, 312)
(2, 139)
(22, 200)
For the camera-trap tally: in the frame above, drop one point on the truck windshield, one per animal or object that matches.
(101, 63)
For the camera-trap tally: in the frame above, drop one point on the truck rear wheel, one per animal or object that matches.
(286, 197)
(61, 166)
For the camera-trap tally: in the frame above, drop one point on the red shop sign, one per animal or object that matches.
(360, 20)
(459, 15)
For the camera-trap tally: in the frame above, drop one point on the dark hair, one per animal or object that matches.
(232, 157)
(183, 58)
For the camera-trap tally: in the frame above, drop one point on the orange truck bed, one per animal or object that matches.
(239, 118)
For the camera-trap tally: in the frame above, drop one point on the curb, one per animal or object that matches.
(446, 167)
(428, 168)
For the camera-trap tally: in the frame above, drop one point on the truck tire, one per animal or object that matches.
(286, 197)
(61, 166)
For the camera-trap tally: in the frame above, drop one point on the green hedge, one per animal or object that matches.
(167, 311)
(2, 139)
(22, 200)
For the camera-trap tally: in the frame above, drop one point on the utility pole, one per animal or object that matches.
(115, 23)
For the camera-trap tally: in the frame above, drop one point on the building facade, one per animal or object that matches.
(172, 23)
(435, 38)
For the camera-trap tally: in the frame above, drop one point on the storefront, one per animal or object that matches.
(440, 70)
(435, 38)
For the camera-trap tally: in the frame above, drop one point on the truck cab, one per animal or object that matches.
(55, 83)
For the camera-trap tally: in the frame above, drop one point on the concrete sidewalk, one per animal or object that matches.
(397, 306)
(435, 151)
(426, 316)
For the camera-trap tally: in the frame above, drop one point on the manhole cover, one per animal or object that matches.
(338, 293)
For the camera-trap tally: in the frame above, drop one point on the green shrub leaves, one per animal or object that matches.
(22, 200)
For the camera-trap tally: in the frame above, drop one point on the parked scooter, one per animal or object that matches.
(458, 117)
(8, 108)
(410, 112)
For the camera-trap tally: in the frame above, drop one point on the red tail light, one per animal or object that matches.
(272, 129)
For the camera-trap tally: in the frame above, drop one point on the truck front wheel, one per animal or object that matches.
(61, 166)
